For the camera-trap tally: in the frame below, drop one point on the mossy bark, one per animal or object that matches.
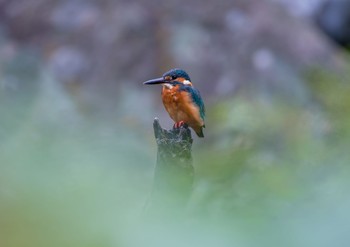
(174, 172)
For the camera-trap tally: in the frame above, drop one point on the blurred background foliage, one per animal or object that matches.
(77, 148)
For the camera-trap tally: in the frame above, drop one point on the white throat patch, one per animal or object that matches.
(168, 85)
(187, 82)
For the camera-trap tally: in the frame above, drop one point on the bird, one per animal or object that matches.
(181, 100)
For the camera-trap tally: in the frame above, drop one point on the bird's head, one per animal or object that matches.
(171, 78)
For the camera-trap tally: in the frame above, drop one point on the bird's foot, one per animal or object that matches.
(179, 124)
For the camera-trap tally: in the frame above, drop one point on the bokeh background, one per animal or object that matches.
(76, 138)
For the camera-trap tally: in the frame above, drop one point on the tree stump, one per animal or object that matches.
(174, 172)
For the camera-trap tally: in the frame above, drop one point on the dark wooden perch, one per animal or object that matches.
(174, 173)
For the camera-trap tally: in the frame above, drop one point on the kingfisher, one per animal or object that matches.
(181, 100)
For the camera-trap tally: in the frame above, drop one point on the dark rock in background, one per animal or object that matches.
(334, 19)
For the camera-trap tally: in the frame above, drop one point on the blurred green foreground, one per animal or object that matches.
(270, 172)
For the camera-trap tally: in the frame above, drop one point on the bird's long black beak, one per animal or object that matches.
(155, 81)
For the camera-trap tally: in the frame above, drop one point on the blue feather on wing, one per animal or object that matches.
(197, 99)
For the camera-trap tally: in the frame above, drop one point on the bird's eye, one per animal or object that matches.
(173, 77)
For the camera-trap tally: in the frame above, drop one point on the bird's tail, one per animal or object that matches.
(199, 132)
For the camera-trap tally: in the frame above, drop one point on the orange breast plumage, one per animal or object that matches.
(181, 107)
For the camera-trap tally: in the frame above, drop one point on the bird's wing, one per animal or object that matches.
(197, 99)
